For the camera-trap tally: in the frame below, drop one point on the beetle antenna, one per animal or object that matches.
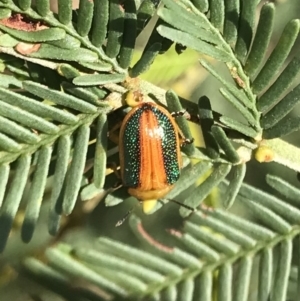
(125, 217)
(183, 205)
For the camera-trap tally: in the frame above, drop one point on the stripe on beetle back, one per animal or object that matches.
(169, 146)
(131, 149)
(150, 149)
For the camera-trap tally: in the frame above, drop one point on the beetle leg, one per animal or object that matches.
(179, 113)
(183, 139)
(113, 134)
(182, 113)
(183, 205)
(124, 218)
(114, 167)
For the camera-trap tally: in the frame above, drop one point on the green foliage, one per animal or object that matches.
(62, 73)
(212, 245)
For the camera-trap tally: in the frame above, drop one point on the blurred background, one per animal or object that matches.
(187, 78)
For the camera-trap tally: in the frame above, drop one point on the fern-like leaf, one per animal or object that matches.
(211, 240)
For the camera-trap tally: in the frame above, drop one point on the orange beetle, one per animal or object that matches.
(150, 158)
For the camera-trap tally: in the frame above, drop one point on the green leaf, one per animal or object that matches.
(13, 198)
(59, 97)
(219, 172)
(284, 153)
(82, 93)
(205, 286)
(244, 275)
(246, 113)
(5, 13)
(64, 11)
(68, 71)
(212, 241)
(61, 166)
(201, 5)
(90, 191)
(73, 181)
(261, 40)
(36, 193)
(129, 37)
(282, 274)
(186, 289)
(230, 153)
(289, 213)
(281, 109)
(45, 272)
(224, 282)
(217, 13)
(178, 255)
(239, 127)
(138, 256)
(266, 271)
(258, 232)
(4, 174)
(246, 29)
(238, 174)
(98, 79)
(174, 106)
(235, 236)
(280, 86)
(189, 26)
(9, 145)
(65, 261)
(17, 131)
(183, 9)
(277, 57)
(56, 53)
(37, 108)
(232, 14)
(271, 219)
(100, 153)
(283, 127)
(8, 81)
(147, 58)
(207, 121)
(44, 35)
(190, 262)
(85, 17)
(144, 14)
(8, 41)
(110, 261)
(24, 4)
(69, 42)
(202, 250)
(115, 29)
(226, 245)
(284, 188)
(194, 43)
(17, 70)
(239, 94)
(97, 66)
(100, 21)
(43, 7)
(27, 119)
(187, 178)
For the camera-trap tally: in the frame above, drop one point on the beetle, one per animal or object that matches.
(149, 150)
